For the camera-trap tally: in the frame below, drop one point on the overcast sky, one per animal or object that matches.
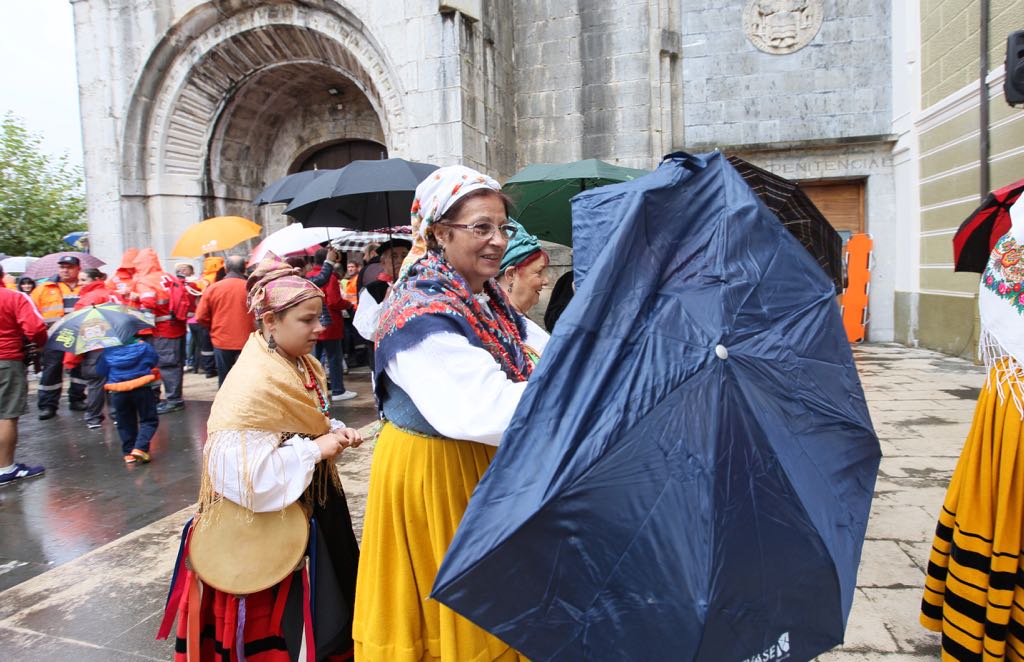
(38, 81)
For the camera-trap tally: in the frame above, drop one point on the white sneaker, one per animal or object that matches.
(347, 395)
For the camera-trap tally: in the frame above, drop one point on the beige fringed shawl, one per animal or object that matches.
(264, 393)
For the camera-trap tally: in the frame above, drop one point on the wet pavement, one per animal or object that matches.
(89, 497)
(93, 541)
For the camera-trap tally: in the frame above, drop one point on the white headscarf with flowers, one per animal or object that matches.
(1001, 305)
(434, 196)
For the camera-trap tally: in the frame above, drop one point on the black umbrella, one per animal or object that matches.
(364, 195)
(284, 189)
(796, 211)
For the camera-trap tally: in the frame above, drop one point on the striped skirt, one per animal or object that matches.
(974, 590)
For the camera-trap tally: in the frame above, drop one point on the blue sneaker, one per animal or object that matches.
(20, 471)
(167, 407)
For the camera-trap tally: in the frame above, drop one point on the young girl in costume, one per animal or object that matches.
(271, 446)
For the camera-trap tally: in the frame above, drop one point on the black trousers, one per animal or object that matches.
(207, 361)
(225, 361)
(51, 381)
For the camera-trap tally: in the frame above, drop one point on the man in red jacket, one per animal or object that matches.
(223, 310)
(153, 292)
(329, 345)
(19, 319)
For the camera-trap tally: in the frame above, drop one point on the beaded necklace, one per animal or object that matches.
(496, 321)
(304, 366)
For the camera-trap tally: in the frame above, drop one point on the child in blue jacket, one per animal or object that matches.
(130, 372)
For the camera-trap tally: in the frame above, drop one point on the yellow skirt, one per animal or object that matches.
(419, 489)
(974, 590)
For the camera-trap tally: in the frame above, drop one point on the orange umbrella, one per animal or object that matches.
(215, 234)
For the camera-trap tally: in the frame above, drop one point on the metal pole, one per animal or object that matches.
(983, 102)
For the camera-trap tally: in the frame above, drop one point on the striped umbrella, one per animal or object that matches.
(357, 241)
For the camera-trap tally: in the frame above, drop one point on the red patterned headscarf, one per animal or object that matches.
(275, 285)
(434, 196)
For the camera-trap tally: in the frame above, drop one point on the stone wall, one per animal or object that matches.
(487, 90)
(548, 80)
(832, 89)
(588, 80)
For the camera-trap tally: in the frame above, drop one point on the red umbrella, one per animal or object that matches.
(977, 236)
(46, 266)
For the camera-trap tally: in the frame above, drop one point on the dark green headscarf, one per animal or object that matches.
(520, 247)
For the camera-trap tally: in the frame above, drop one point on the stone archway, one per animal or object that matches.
(237, 103)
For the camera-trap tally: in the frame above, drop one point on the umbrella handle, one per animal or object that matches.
(689, 161)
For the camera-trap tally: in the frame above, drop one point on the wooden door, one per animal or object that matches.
(341, 154)
(842, 203)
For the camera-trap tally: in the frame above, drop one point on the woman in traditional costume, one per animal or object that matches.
(450, 369)
(523, 274)
(268, 471)
(974, 589)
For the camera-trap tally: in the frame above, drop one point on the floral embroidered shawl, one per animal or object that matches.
(433, 298)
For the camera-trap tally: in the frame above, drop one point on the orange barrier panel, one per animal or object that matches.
(854, 302)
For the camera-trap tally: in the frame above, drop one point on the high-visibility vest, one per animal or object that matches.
(349, 291)
(55, 300)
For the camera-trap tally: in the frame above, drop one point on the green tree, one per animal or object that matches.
(41, 197)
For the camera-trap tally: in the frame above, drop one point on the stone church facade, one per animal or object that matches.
(189, 107)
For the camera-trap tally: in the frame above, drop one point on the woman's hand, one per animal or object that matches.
(350, 437)
(330, 445)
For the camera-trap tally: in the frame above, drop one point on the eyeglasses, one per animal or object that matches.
(486, 230)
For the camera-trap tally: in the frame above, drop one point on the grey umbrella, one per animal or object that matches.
(364, 195)
(284, 189)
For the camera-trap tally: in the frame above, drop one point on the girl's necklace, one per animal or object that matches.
(306, 370)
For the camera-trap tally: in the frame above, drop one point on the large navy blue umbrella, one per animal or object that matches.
(689, 473)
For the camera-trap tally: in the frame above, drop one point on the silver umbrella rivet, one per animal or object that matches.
(721, 352)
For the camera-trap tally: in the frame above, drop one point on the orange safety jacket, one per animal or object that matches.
(349, 292)
(150, 293)
(55, 299)
(211, 266)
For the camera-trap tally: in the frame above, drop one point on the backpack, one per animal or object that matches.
(182, 303)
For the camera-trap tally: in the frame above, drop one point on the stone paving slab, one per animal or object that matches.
(105, 604)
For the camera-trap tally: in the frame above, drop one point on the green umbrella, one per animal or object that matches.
(541, 193)
(97, 327)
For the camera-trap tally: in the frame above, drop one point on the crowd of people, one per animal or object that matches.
(453, 350)
(199, 323)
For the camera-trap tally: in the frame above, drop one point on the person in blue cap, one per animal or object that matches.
(523, 275)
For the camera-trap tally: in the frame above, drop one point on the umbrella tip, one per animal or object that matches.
(721, 352)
